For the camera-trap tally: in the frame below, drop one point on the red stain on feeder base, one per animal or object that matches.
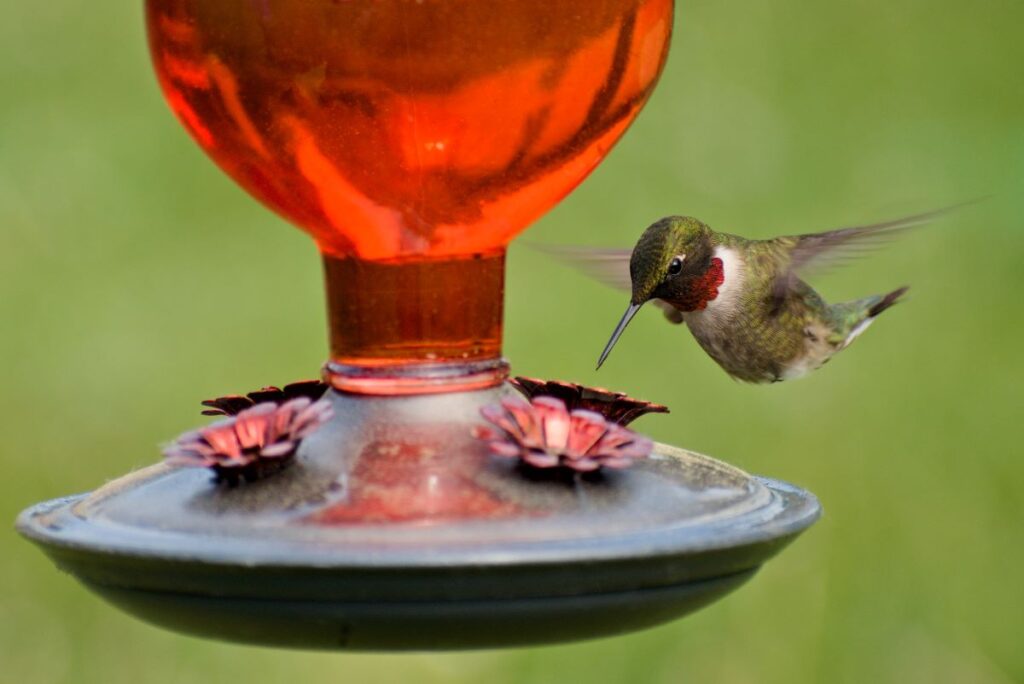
(418, 476)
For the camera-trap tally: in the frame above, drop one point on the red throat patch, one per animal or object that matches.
(705, 288)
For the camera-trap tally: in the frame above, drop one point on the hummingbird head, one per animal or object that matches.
(673, 261)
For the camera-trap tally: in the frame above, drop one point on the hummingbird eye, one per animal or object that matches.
(675, 267)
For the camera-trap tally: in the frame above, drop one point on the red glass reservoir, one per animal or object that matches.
(406, 133)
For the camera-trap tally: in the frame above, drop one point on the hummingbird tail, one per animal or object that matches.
(887, 301)
(850, 319)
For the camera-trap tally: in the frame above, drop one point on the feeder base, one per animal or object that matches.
(397, 530)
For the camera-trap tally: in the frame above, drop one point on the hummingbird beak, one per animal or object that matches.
(626, 318)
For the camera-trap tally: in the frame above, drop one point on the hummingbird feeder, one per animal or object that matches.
(413, 500)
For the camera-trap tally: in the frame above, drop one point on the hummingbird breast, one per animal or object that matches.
(749, 340)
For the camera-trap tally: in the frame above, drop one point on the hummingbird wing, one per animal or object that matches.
(812, 251)
(609, 266)
(844, 244)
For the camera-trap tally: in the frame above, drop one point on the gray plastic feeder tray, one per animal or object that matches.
(394, 531)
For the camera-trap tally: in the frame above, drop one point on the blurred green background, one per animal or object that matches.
(136, 279)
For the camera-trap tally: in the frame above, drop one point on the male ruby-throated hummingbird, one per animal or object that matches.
(744, 300)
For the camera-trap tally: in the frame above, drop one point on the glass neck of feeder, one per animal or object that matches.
(415, 326)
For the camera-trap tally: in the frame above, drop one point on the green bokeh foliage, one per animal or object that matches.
(135, 279)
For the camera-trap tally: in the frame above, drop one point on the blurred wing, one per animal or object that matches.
(844, 244)
(609, 266)
(835, 247)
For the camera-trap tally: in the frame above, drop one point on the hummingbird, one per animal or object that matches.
(744, 300)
